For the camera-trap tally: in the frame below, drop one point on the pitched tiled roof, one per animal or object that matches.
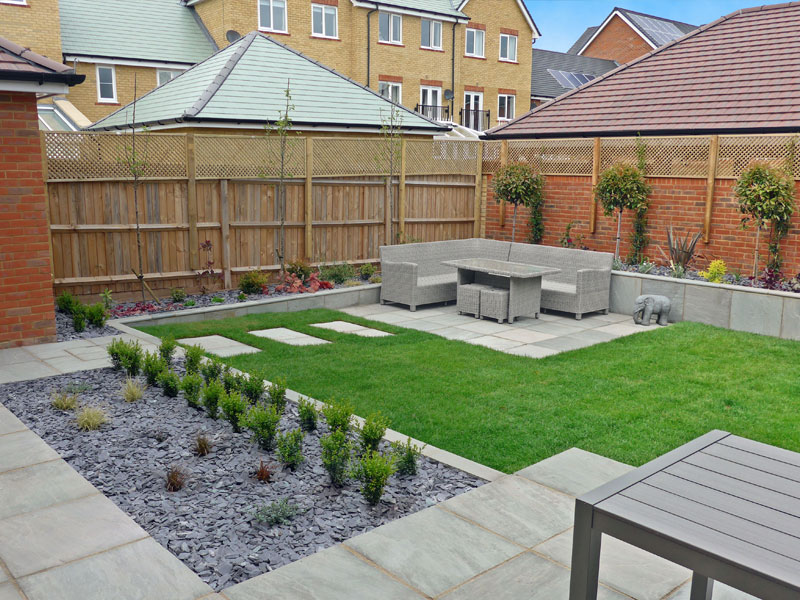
(18, 63)
(581, 41)
(544, 81)
(442, 7)
(738, 74)
(246, 82)
(155, 30)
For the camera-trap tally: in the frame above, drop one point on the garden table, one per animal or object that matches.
(524, 281)
(726, 507)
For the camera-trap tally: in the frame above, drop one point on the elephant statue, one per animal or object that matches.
(649, 305)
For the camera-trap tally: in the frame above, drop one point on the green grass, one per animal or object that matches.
(631, 399)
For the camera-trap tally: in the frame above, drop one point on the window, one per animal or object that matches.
(324, 21)
(505, 107)
(391, 28)
(431, 34)
(392, 91)
(508, 47)
(272, 15)
(19, 2)
(165, 75)
(431, 103)
(475, 39)
(106, 84)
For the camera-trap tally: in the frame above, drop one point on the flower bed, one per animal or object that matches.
(209, 524)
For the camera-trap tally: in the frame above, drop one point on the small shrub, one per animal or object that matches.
(64, 400)
(622, 186)
(125, 356)
(90, 418)
(152, 366)
(233, 382)
(262, 421)
(290, 448)
(132, 390)
(212, 369)
(336, 450)
(366, 271)
(338, 414)
(170, 383)
(190, 303)
(681, 250)
(645, 266)
(213, 392)
(233, 407)
(353, 283)
(338, 273)
(77, 388)
(308, 414)
(371, 433)
(277, 395)
(253, 387)
(191, 385)
(106, 298)
(79, 319)
(263, 472)
(96, 315)
(177, 294)
(520, 185)
(167, 349)
(194, 357)
(276, 513)
(376, 279)
(217, 300)
(300, 269)
(252, 282)
(373, 471)
(242, 297)
(202, 445)
(716, 271)
(66, 302)
(407, 457)
(176, 479)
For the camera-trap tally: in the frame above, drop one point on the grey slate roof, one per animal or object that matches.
(157, 30)
(442, 7)
(245, 83)
(581, 41)
(545, 85)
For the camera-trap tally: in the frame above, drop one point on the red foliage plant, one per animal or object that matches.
(292, 284)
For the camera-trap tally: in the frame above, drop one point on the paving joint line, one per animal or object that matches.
(44, 462)
(379, 568)
(478, 525)
(479, 575)
(55, 504)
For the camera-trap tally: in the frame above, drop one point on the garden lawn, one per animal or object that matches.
(631, 399)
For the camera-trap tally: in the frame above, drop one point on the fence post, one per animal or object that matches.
(401, 208)
(43, 144)
(476, 231)
(595, 177)
(225, 222)
(309, 212)
(503, 163)
(713, 153)
(191, 202)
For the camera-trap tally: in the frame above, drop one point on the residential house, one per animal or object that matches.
(555, 73)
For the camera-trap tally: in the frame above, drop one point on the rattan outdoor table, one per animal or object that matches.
(726, 507)
(524, 281)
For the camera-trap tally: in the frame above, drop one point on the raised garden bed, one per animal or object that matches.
(209, 524)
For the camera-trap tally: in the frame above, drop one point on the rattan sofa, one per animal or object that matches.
(413, 274)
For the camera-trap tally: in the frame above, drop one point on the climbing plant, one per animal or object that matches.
(639, 237)
(621, 187)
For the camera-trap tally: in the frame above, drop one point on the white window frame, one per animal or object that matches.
(323, 8)
(430, 88)
(500, 98)
(516, 47)
(173, 74)
(100, 99)
(391, 85)
(392, 17)
(272, 17)
(432, 25)
(474, 42)
(15, 2)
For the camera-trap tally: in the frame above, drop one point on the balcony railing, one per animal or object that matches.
(475, 119)
(434, 112)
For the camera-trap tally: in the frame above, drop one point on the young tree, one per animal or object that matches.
(389, 157)
(519, 184)
(282, 128)
(619, 187)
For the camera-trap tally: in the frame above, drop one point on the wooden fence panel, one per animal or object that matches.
(442, 209)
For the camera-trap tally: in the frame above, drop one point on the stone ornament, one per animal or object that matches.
(648, 305)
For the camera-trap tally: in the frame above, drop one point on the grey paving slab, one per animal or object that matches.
(420, 324)
(288, 336)
(8, 422)
(24, 371)
(516, 508)
(532, 351)
(392, 318)
(707, 304)
(22, 449)
(558, 328)
(89, 353)
(485, 327)
(11, 356)
(756, 313)
(50, 537)
(721, 592)
(333, 574)
(575, 471)
(566, 343)
(49, 350)
(528, 577)
(595, 336)
(452, 320)
(526, 336)
(9, 592)
(3, 575)
(40, 486)
(70, 364)
(457, 333)
(352, 328)
(433, 550)
(142, 570)
(494, 342)
(624, 329)
(220, 345)
(623, 567)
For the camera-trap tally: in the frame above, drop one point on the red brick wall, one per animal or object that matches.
(617, 42)
(680, 202)
(26, 288)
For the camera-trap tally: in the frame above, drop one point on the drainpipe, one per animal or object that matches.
(369, 14)
(453, 76)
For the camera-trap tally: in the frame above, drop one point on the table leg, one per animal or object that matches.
(524, 297)
(585, 555)
(702, 587)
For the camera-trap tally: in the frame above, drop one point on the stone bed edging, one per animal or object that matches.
(739, 308)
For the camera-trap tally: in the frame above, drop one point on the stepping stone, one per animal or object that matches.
(219, 345)
(288, 336)
(345, 327)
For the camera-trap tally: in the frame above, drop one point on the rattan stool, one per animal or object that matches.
(494, 303)
(468, 299)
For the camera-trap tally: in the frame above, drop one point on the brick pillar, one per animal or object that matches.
(26, 286)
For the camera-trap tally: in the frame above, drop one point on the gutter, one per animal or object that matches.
(644, 133)
(42, 78)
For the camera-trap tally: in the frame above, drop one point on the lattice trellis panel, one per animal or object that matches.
(344, 157)
(439, 157)
(93, 156)
(554, 157)
(676, 156)
(617, 150)
(246, 157)
(737, 152)
(491, 157)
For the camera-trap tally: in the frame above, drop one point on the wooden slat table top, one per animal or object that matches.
(725, 496)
